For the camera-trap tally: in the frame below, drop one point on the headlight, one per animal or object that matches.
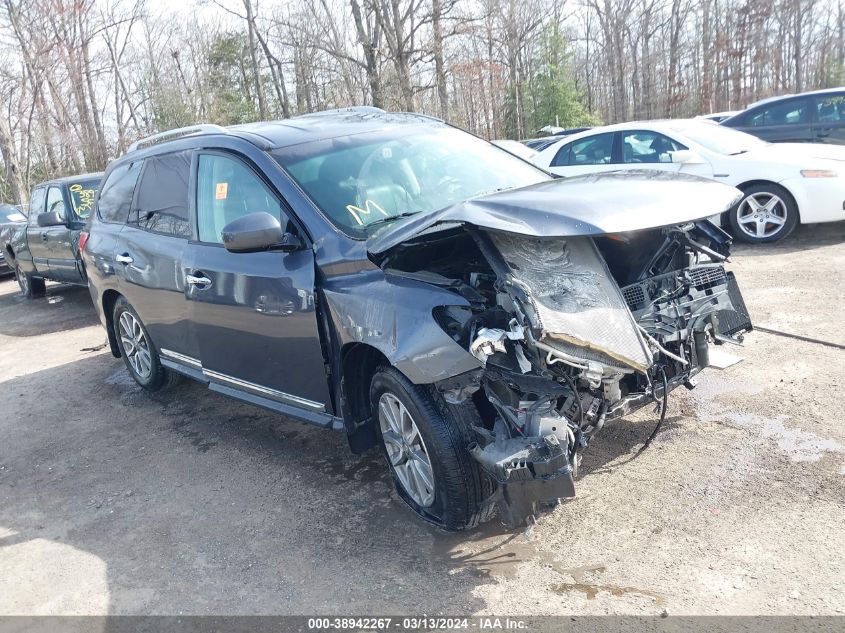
(818, 173)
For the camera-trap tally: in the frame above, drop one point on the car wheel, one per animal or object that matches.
(766, 213)
(425, 444)
(30, 286)
(138, 351)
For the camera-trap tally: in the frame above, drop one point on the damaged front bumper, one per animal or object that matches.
(581, 349)
(527, 471)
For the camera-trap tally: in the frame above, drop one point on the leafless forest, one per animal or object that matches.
(81, 79)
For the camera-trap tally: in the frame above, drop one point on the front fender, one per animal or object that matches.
(394, 315)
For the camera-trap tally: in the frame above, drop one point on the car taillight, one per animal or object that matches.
(83, 240)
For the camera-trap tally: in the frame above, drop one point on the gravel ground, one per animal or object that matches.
(116, 501)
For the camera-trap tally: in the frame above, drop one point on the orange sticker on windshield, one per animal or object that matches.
(222, 191)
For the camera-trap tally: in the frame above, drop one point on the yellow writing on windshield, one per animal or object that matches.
(83, 200)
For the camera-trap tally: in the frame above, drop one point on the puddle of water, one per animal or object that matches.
(800, 446)
(581, 583)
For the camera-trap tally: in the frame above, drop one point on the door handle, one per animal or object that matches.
(199, 280)
(44, 237)
(123, 259)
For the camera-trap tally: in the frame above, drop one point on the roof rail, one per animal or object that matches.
(360, 109)
(172, 135)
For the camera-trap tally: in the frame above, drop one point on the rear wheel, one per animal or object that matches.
(138, 351)
(425, 444)
(767, 213)
(30, 286)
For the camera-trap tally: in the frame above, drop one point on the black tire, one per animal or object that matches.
(159, 377)
(764, 191)
(460, 486)
(31, 287)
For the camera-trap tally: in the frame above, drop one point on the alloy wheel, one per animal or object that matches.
(761, 215)
(135, 345)
(406, 450)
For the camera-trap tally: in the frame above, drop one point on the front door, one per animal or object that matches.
(829, 126)
(253, 314)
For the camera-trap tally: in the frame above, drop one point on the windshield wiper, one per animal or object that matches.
(742, 151)
(404, 214)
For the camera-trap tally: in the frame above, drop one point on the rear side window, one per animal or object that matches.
(562, 156)
(36, 202)
(118, 190)
(163, 201)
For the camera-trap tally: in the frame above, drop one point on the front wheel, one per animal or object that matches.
(766, 213)
(30, 286)
(425, 444)
(138, 351)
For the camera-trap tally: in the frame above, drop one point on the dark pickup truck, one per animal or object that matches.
(47, 245)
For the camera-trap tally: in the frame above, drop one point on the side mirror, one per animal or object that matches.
(686, 156)
(51, 218)
(257, 232)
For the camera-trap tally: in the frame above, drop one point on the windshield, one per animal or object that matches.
(369, 178)
(720, 139)
(82, 195)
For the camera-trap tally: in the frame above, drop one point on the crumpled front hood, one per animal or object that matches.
(593, 204)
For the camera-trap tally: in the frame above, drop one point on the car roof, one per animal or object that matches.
(809, 93)
(67, 180)
(270, 135)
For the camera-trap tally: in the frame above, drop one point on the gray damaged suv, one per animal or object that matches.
(414, 287)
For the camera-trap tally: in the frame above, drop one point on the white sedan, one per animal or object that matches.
(783, 183)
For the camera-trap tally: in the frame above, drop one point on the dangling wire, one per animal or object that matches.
(662, 412)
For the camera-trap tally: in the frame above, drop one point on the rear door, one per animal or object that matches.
(253, 314)
(37, 247)
(150, 251)
(829, 125)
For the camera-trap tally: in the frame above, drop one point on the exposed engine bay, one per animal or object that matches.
(571, 333)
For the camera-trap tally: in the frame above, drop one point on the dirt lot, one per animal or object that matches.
(116, 501)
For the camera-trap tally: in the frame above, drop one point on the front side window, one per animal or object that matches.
(788, 113)
(364, 180)
(830, 109)
(226, 190)
(595, 150)
(648, 147)
(163, 201)
(56, 201)
(82, 195)
(118, 190)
